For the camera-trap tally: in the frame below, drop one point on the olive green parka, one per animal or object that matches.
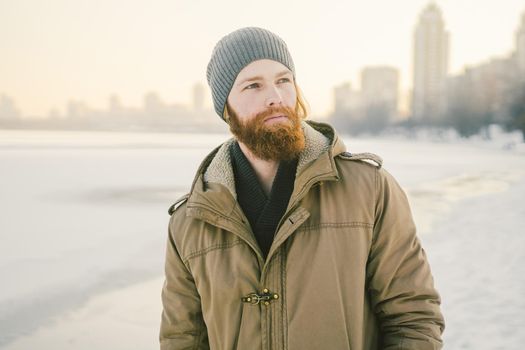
(345, 270)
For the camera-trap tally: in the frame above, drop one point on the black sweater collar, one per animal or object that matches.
(263, 213)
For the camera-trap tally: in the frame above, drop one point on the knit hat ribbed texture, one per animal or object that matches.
(234, 52)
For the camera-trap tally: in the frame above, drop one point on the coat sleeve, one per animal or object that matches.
(182, 325)
(401, 286)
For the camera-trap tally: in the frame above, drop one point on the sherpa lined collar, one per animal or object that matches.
(220, 169)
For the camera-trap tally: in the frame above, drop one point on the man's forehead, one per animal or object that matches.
(260, 69)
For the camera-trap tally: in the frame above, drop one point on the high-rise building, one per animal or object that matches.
(481, 94)
(114, 104)
(8, 109)
(77, 109)
(431, 54)
(380, 89)
(520, 46)
(347, 101)
(153, 104)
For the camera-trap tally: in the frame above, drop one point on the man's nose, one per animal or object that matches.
(274, 97)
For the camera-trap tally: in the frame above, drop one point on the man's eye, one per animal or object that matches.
(284, 80)
(252, 86)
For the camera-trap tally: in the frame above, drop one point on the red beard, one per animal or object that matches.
(282, 140)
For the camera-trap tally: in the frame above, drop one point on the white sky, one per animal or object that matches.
(56, 50)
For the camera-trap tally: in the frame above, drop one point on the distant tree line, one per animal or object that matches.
(517, 110)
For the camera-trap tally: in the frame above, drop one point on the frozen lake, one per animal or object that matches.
(83, 226)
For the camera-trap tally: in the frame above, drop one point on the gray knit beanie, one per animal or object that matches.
(234, 52)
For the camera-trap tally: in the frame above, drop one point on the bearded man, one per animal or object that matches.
(287, 241)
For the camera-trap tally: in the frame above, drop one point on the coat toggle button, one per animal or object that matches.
(266, 297)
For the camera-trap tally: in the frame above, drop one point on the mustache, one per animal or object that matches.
(271, 111)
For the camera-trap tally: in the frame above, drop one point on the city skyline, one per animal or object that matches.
(334, 54)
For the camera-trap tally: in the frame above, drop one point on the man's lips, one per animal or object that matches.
(274, 117)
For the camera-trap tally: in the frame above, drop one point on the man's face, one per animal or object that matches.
(260, 85)
(262, 111)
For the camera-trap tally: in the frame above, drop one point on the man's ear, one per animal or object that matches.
(226, 114)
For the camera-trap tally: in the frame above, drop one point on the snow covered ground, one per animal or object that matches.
(84, 216)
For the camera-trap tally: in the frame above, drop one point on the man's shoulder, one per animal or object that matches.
(366, 168)
(214, 159)
(178, 203)
(363, 170)
(179, 222)
(368, 158)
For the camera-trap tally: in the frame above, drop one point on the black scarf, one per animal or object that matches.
(263, 213)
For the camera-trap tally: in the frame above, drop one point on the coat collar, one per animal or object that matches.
(319, 139)
(213, 197)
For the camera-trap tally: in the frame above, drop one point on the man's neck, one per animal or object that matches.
(265, 170)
